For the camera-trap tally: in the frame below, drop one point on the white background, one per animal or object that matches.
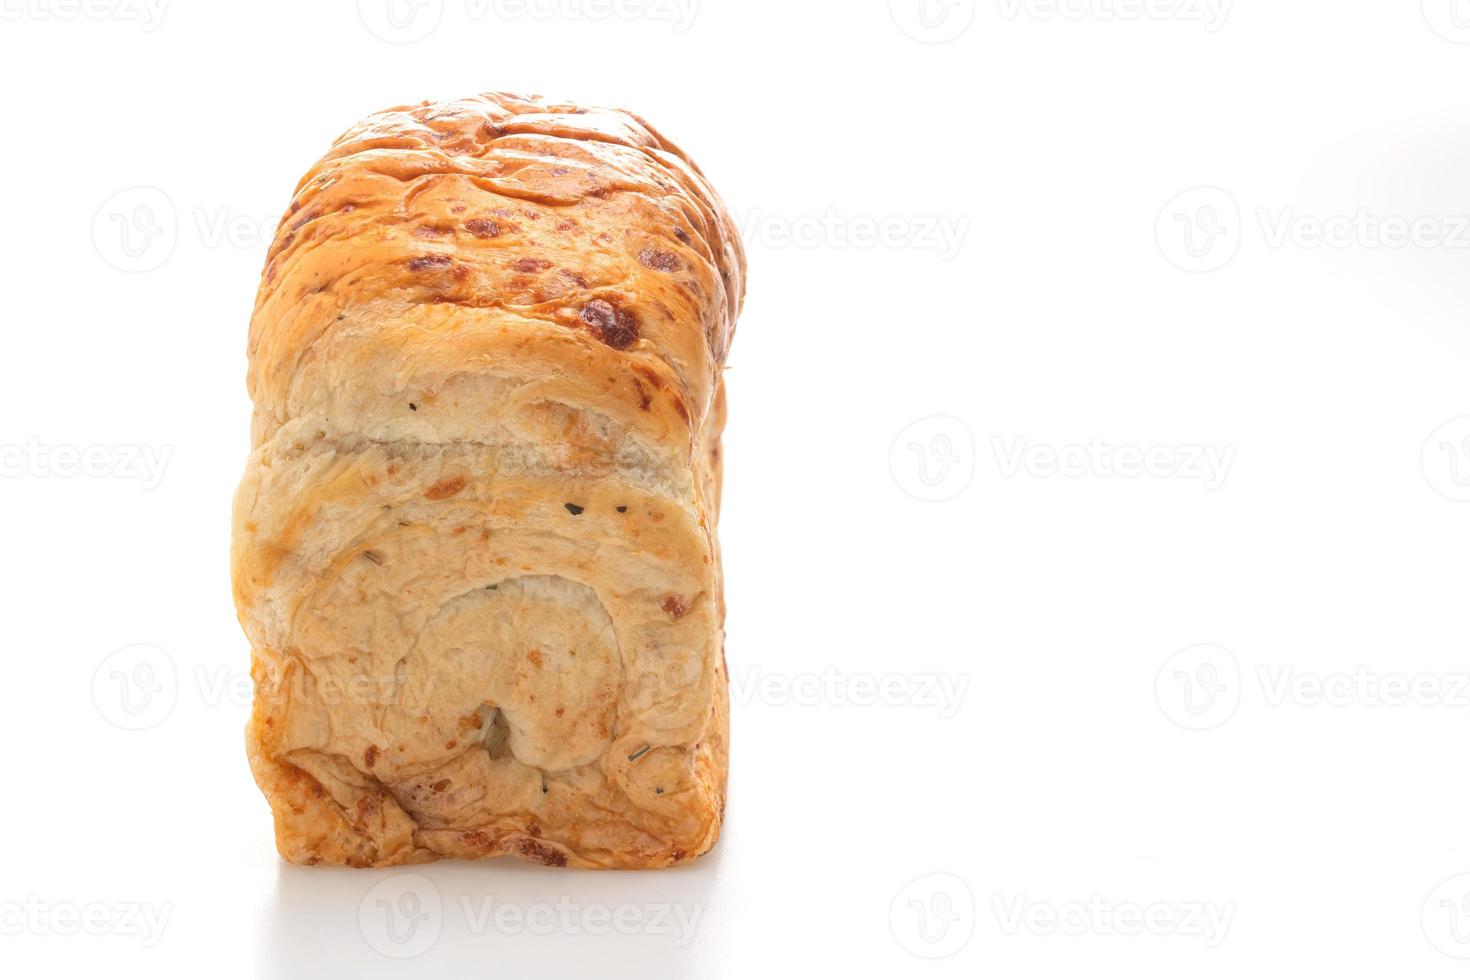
(1090, 800)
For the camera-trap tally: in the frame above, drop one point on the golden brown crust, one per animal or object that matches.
(474, 547)
(525, 225)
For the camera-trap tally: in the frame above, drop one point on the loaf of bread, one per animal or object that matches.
(474, 547)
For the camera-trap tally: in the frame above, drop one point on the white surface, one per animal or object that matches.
(1316, 832)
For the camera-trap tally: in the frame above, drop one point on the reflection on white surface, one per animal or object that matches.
(458, 918)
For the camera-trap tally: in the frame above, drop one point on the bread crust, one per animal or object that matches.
(474, 547)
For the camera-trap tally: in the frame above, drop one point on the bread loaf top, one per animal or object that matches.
(476, 255)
